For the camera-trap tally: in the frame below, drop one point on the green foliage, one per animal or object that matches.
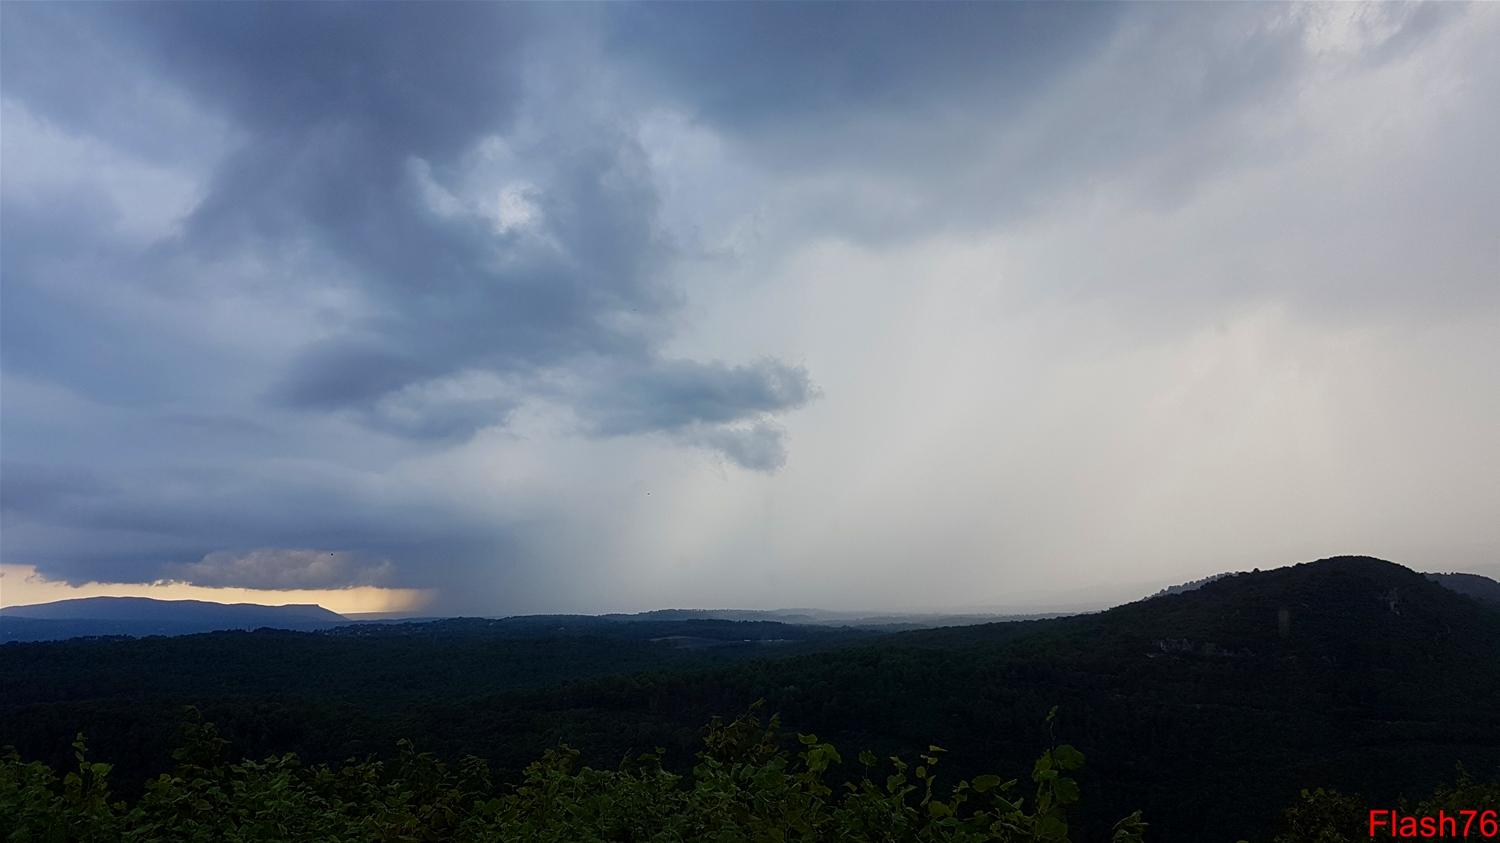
(1464, 794)
(1328, 816)
(1323, 816)
(745, 787)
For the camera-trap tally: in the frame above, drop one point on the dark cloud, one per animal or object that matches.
(769, 69)
(678, 393)
(128, 525)
(284, 568)
(350, 143)
(332, 375)
(424, 80)
(704, 404)
(30, 487)
(349, 117)
(759, 447)
(961, 116)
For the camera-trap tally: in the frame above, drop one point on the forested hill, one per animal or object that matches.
(142, 616)
(1205, 707)
(1208, 709)
(1481, 588)
(1350, 611)
(149, 609)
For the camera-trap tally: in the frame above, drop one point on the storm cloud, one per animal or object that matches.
(285, 568)
(616, 306)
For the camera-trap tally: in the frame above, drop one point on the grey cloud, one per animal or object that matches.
(333, 128)
(1416, 22)
(208, 424)
(78, 300)
(409, 78)
(878, 134)
(283, 568)
(444, 409)
(337, 108)
(333, 375)
(723, 408)
(677, 393)
(758, 447)
(106, 89)
(33, 487)
(447, 293)
(772, 69)
(145, 524)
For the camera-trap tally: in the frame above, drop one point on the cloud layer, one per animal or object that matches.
(284, 568)
(611, 307)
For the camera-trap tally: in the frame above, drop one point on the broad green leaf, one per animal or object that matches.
(1067, 757)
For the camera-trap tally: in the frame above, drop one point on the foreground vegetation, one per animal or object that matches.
(745, 787)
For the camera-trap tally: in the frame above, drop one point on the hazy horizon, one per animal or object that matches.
(396, 604)
(506, 309)
(32, 589)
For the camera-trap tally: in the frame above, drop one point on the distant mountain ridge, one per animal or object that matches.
(1338, 608)
(884, 621)
(149, 608)
(138, 616)
(1479, 587)
(1192, 585)
(141, 616)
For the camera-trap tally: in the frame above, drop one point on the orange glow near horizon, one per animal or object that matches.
(21, 585)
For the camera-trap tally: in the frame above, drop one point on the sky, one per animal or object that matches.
(504, 308)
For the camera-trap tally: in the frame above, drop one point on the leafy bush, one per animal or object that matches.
(745, 787)
(1328, 816)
